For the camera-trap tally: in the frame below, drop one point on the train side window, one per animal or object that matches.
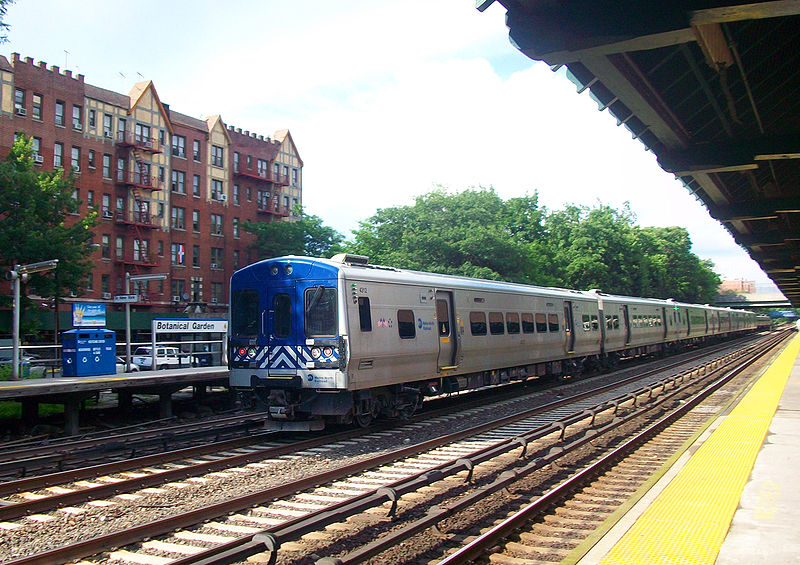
(405, 324)
(442, 317)
(552, 321)
(609, 323)
(512, 322)
(364, 314)
(587, 324)
(616, 322)
(282, 318)
(541, 323)
(527, 323)
(477, 323)
(496, 325)
(595, 323)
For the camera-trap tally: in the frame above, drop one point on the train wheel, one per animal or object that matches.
(363, 420)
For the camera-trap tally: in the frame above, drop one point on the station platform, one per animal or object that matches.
(732, 498)
(71, 391)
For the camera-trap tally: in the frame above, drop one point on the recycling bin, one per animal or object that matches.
(86, 353)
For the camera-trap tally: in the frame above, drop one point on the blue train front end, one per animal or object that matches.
(287, 344)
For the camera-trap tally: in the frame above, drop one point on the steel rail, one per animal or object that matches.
(495, 535)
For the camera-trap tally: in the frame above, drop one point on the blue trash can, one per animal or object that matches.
(86, 353)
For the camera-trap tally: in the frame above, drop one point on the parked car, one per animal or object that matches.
(166, 358)
(121, 365)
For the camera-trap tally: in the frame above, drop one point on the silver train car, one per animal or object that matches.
(340, 339)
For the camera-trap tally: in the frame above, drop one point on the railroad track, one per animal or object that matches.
(323, 498)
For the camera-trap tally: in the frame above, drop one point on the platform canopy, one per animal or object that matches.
(712, 88)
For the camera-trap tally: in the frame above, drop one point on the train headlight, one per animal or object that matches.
(251, 352)
(288, 269)
(315, 352)
(327, 352)
(273, 270)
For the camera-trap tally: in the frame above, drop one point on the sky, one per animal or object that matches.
(385, 100)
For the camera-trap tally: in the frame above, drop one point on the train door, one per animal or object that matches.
(446, 330)
(664, 322)
(569, 326)
(627, 321)
(706, 314)
(688, 323)
(281, 331)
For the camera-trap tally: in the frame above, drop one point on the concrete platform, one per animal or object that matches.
(704, 510)
(71, 391)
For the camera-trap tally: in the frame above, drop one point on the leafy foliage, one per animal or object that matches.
(475, 233)
(303, 236)
(35, 223)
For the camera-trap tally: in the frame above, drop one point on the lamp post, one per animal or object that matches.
(128, 279)
(17, 276)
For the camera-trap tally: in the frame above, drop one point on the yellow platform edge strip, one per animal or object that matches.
(689, 520)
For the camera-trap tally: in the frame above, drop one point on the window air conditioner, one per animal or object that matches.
(223, 197)
(76, 125)
(176, 298)
(107, 133)
(76, 168)
(214, 266)
(214, 300)
(106, 296)
(38, 158)
(21, 112)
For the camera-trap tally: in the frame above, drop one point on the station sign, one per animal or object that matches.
(190, 325)
(123, 298)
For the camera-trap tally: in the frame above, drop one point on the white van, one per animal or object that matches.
(166, 358)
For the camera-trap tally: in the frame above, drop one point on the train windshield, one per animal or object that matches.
(244, 313)
(320, 310)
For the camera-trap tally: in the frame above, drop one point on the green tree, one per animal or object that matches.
(4, 4)
(471, 233)
(36, 222)
(304, 236)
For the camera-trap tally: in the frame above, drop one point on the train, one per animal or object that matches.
(341, 340)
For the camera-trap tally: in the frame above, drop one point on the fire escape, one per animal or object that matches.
(271, 205)
(137, 179)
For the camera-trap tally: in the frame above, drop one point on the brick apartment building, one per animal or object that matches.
(171, 191)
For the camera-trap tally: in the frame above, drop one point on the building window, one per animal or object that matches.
(178, 288)
(285, 173)
(263, 168)
(195, 256)
(106, 205)
(235, 258)
(162, 137)
(236, 227)
(236, 194)
(178, 218)
(249, 194)
(276, 172)
(105, 246)
(196, 185)
(90, 199)
(179, 146)
(58, 154)
(216, 224)
(120, 203)
(37, 107)
(106, 166)
(108, 131)
(75, 160)
(105, 283)
(196, 150)
(178, 255)
(216, 257)
(216, 292)
(91, 158)
(196, 220)
(122, 125)
(37, 149)
(162, 173)
(141, 134)
(160, 209)
(285, 203)
(160, 248)
(92, 114)
(140, 250)
(216, 189)
(249, 161)
(77, 117)
(179, 182)
(216, 156)
(294, 177)
(294, 207)
(19, 101)
(120, 246)
(235, 161)
(59, 112)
